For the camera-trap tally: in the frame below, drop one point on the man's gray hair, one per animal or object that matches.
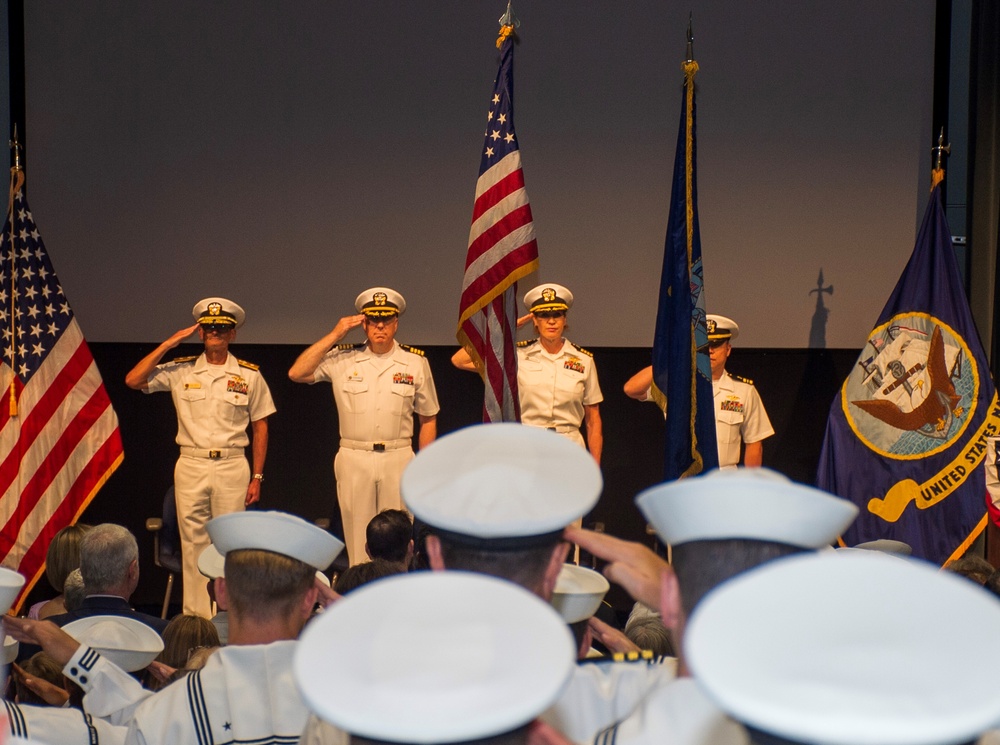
(106, 552)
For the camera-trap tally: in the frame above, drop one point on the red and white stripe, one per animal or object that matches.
(55, 453)
(502, 249)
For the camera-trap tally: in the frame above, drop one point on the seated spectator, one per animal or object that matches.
(74, 590)
(39, 665)
(648, 632)
(361, 574)
(109, 566)
(975, 568)
(390, 537)
(62, 557)
(184, 635)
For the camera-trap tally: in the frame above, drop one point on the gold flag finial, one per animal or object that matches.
(937, 174)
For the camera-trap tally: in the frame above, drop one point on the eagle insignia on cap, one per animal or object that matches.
(214, 309)
(379, 298)
(548, 294)
(711, 325)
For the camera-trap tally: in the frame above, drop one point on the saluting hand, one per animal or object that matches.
(347, 323)
(180, 336)
(525, 319)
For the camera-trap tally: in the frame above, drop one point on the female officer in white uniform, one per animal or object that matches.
(556, 380)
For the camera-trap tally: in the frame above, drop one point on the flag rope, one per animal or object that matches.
(16, 182)
(690, 68)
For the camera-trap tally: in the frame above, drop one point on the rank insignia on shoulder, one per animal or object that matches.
(741, 379)
(581, 349)
(412, 350)
(345, 347)
(182, 360)
(248, 365)
(645, 655)
(527, 342)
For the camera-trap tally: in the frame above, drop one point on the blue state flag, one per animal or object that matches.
(907, 434)
(682, 374)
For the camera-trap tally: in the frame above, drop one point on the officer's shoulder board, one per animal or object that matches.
(182, 360)
(527, 342)
(582, 350)
(412, 350)
(644, 655)
(346, 347)
(741, 379)
(247, 365)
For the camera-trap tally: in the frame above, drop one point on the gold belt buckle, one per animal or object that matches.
(214, 454)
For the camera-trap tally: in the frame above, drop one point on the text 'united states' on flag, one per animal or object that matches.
(59, 437)
(502, 249)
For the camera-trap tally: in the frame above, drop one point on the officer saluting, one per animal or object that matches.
(216, 397)
(739, 412)
(378, 386)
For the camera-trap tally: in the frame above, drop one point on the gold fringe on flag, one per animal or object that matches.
(505, 31)
(690, 68)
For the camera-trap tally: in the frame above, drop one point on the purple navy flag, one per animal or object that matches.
(682, 373)
(907, 434)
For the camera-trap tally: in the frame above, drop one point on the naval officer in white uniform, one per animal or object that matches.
(379, 385)
(556, 380)
(216, 396)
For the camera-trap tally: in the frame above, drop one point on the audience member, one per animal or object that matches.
(43, 667)
(62, 557)
(74, 591)
(975, 568)
(833, 649)
(361, 574)
(474, 659)
(184, 634)
(390, 537)
(648, 632)
(245, 692)
(719, 526)
(109, 566)
(212, 565)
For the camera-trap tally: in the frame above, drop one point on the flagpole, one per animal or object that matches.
(937, 174)
(16, 182)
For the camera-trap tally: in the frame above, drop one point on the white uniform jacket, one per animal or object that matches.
(554, 388)
(739, 417)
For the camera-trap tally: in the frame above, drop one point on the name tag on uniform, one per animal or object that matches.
(236, 384)
(356, 376)
(574, 364)
(188, 386)
(732, 405)
(402, 378)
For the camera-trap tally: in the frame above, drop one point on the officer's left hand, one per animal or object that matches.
(253, 492)
(525, 319)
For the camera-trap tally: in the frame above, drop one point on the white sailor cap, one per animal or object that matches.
(579, 592)
(548, 297)
(857, 647)
(721, 328)
(128, 643)
(10, 585)
(218, 310)
(277, 532)
(887, 546)
(502, 485)
(380, 302)
(455, 656)
(10, 649)
(750, 503)
(211, 563)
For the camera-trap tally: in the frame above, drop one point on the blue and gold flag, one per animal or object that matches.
(907, 433)
(682, 373)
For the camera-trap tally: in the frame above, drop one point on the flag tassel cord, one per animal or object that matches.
(16, 182)
(690, 68)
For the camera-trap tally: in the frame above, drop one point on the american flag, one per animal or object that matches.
(59, 438)
(502, 250)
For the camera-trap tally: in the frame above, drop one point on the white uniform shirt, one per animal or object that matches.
(245, 693)
(676, 714)
(739, 417)
(214, 407)
(377, 396)
(60, 726)
(554, 388)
